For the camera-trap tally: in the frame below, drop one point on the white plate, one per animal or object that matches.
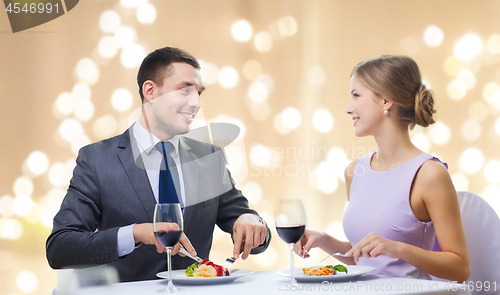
(179, 277)
(353, 271)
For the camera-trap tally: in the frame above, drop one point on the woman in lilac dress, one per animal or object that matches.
(400, 199)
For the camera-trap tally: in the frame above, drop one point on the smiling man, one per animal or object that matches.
(106, 216)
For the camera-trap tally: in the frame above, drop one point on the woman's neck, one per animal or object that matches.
(394, 148)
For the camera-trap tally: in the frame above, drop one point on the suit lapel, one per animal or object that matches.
(127, 153)
(190, 175)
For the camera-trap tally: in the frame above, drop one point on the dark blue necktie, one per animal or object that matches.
(166, 189)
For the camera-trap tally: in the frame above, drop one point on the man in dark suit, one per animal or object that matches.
(106, 216)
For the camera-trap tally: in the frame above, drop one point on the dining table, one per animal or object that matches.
(270, 282)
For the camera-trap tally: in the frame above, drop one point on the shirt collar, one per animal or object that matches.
(147, 141)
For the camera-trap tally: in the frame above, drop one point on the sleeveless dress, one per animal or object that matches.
(379, 202)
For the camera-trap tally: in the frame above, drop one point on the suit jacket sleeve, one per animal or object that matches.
(74, 239)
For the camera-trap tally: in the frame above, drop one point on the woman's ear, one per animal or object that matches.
(148, 90)
(387, 104)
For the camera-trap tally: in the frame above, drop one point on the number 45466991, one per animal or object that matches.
(32, 8)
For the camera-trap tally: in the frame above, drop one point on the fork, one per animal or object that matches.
(228, 263)
(336, 254)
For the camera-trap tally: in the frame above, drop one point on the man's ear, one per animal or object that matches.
(148, 90)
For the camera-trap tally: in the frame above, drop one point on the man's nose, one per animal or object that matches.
(194, 100)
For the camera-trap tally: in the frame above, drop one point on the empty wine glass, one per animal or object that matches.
(168, 226)
(290, 225)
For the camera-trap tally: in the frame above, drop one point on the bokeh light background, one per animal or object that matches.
(278, 69)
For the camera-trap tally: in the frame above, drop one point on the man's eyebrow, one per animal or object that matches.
(184, 84)
(188, 84)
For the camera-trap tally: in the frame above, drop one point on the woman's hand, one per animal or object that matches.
(373, 246)
(310, 239)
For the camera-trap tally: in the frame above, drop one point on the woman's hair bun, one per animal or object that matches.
(424, 107)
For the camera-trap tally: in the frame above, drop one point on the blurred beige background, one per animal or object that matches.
(279, 69)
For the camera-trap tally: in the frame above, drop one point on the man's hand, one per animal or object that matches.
(144, 233)
(250, 230)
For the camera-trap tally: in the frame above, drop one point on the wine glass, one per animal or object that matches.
(290, 225)
(168, 226)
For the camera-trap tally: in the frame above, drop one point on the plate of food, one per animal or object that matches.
(329, 273)
(204, 273)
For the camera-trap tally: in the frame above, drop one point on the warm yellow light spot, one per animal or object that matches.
(146, 13)
(492, 171)
(493, 44)
(489, 90)
(287, 26)
(291, 118)
(252, 70)
(471, 161)
(433, 36)
(468, 47)
(322, 120)
(439, 133)
(471, 130)
(260, 112)
(260, 155)
(132, 55)
(421, 141)
(452, 66)
(456, 90)
(478, 111)
(316, 75)
(228, 77)
(467, 78)
(326, 180)
(258, 92)
(263, 42)
(252, 191)
(209, 72)
(460, 181)
(125, 36)
(110, 21)
(241, 31)
(107, 47)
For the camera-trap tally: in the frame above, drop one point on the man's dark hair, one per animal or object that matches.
(154, 67)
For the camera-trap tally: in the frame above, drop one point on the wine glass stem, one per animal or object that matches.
(169, 264)
(293, 281)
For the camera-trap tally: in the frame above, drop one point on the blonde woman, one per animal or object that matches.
(400, 198)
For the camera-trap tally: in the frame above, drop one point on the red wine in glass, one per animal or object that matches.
(168, 239)
(168, 226)
(290, 225)
(291, 234)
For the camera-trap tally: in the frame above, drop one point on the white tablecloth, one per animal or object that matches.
(269, 282)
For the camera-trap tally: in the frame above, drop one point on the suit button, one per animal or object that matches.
(92, 258)
(102, 257)
(97, 258)
(106, 256)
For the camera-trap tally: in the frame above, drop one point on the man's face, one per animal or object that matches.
(177, 101)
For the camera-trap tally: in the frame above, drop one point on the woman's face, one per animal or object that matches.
(365, 108)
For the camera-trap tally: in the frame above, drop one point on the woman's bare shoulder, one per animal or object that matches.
(433, 172)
